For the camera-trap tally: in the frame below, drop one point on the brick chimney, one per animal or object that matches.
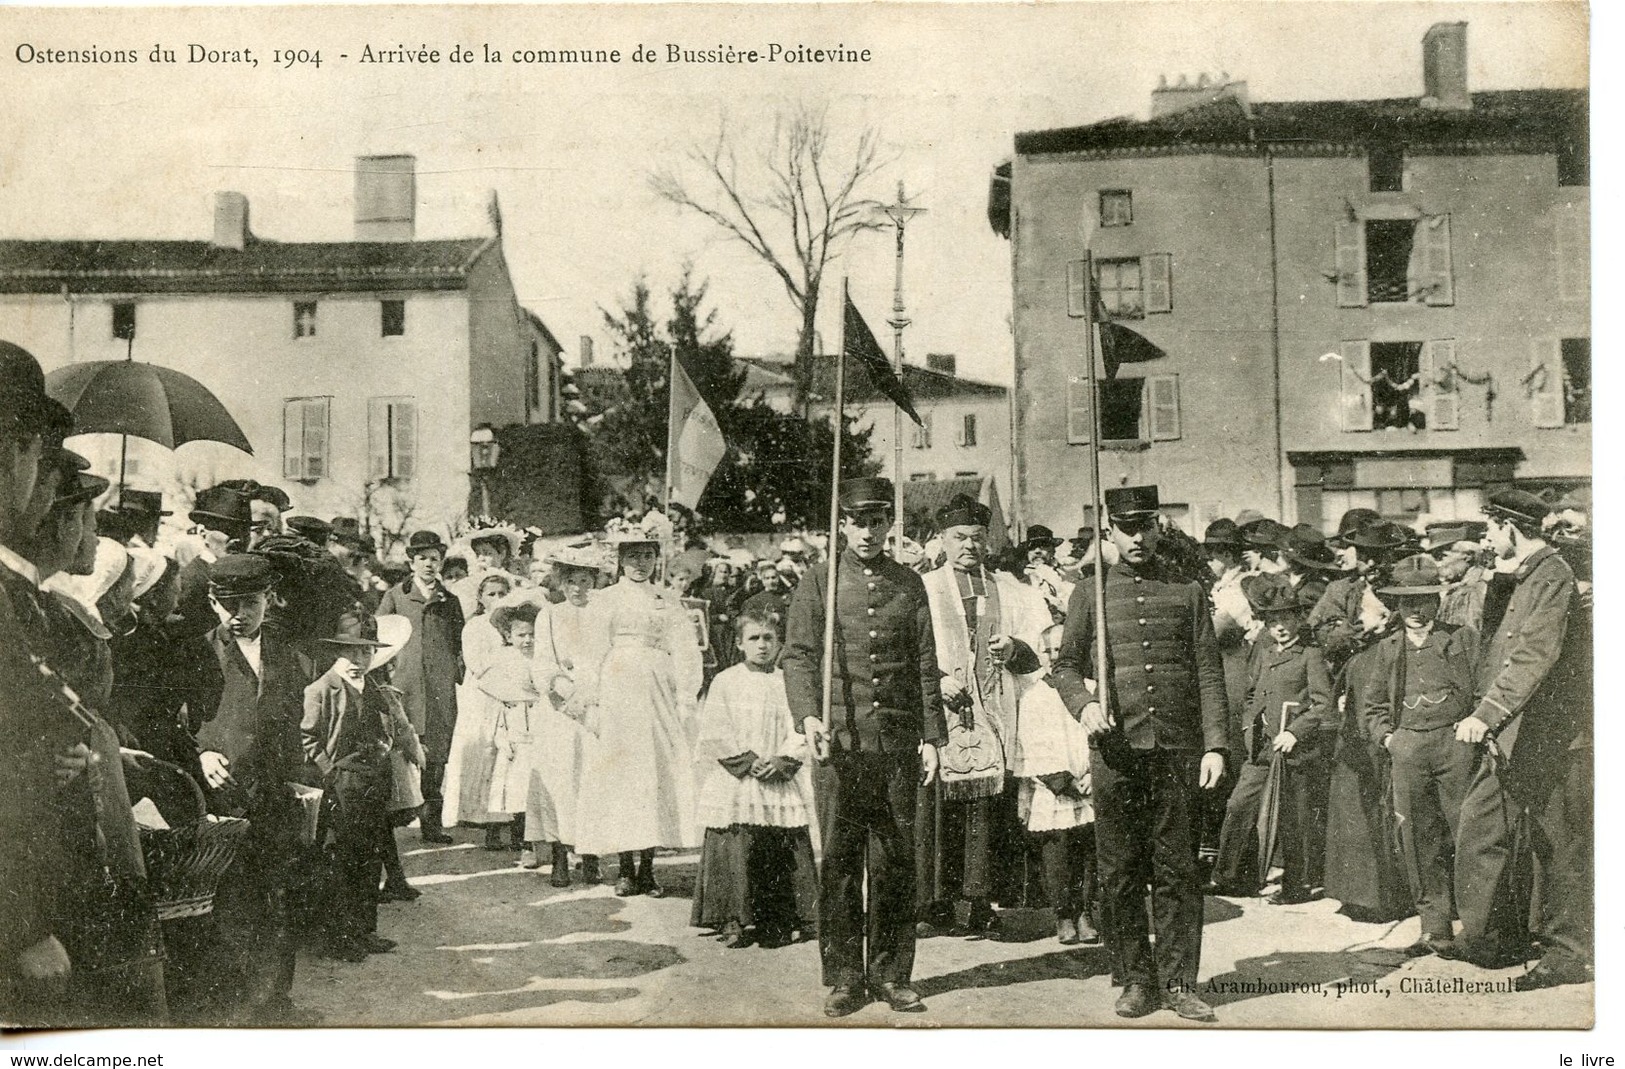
(943, 362)
(231, 221)
(586, 351)
(1169, 99)
(1444, 66)
(386, 195)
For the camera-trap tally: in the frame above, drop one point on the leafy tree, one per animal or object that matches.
(776, 470)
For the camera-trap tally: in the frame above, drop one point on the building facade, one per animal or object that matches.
(1380, 303)
(357, 369)
(966, 423)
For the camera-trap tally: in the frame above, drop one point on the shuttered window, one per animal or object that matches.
(1162, 407)
(1545, 382)
(392, 435)
(1573, 254)
(1349, 240)
(1159, 283)
(1437, 284)
(1356, 385)
(305, 438)
(1080, 412)
(1077, 288)
(1441, 389)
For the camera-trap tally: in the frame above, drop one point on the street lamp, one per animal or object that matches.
(483, 452)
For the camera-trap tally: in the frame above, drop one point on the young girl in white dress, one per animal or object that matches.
(562, 744)
(473, 756)
(640, 698)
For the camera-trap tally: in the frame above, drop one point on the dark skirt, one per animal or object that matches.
(1364, 869)
(758, 876)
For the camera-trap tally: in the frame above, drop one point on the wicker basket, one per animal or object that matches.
(186, 861)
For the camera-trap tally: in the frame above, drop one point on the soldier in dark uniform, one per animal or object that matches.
(885, 725)
(250, 750)
(1533, 725)
(1163, 735)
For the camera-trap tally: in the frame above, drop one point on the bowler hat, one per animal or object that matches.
(255, 490)
(309, 528)
(1352, 521)
(1263, 533)
(1517, 505)
(1306, 547)
(238, 574)
(1132, 502)
(222, 505)
(424, 542)
(24, 405)
(964, 511)
(74, 481)
(356, 630)
(1379, 536)
(148, 503)
(1223, 533)
(1039, 537)
(1418, 574)
(866, 493)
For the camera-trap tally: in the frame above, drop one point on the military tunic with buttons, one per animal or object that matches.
(1166, 690)
(886, 700)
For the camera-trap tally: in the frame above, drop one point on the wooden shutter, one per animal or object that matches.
(315, 438)
(1077, 289)
(1356, 385)
(1439, 385)
(377, 439)
(1349, 239)
(404, 438)
(1546, 382)
(293, 439)
(1159, 282)
(1080, 412)
(1162, 407)
(1573, 253)
(1438, 279)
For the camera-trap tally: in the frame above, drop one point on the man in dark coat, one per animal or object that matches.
(885, 725)
(1423, 676)
(226, 518)
(430, 665)
(1161, 735)
(250, 751)
(1533, 721)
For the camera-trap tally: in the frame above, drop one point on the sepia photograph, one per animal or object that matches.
(820, 516)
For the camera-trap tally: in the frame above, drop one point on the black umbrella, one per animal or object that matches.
(1269, 811)
(156, 403)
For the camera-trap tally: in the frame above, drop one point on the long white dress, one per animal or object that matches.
(562, 744)
(638, 789)
(472, 761)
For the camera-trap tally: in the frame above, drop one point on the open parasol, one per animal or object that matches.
(156, 403)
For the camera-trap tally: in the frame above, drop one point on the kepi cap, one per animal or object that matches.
(1132, 502)
(866, 493)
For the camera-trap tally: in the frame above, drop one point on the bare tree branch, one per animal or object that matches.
(796, 214)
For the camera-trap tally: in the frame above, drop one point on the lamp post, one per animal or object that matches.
(483, 452)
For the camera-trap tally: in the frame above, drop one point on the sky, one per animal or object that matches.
(139, 151)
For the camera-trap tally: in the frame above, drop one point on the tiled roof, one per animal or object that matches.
(1535, 117)
(260, 267)
(923, 497)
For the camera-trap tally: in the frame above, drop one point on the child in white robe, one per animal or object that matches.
(756, 867)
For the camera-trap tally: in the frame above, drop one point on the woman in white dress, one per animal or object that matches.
(640, 700)
(473, 755)
(562, 744)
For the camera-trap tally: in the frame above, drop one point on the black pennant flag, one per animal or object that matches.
(1120, 345)
(860, 343)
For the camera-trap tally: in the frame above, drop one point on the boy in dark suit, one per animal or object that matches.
(1288, 712)
(249, 750)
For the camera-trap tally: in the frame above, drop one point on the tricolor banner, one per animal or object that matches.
(694, 443)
